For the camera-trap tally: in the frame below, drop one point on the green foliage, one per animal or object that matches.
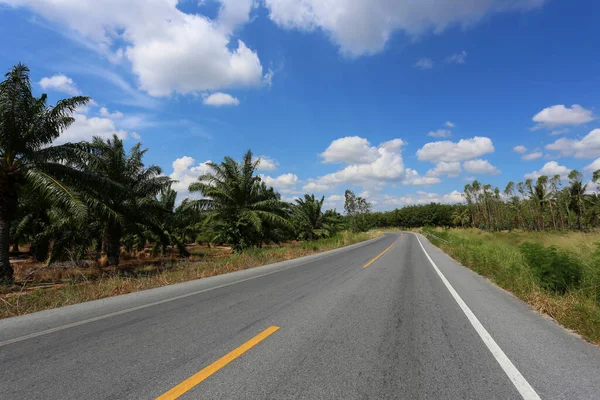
(28, 125)
(242, 210)
(311, 222)
(357, 211)
(555, 270)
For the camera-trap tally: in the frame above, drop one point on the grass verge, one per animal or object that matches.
(81, 285)
(557, 274)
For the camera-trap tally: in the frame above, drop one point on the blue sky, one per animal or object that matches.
(400, 101)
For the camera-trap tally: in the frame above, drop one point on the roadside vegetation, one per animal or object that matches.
(81, 221)
(556, 273)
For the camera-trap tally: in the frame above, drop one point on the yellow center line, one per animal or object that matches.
(380, 254)
(200, 376)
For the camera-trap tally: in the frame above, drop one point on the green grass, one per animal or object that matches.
(78, 286)
(556, 273)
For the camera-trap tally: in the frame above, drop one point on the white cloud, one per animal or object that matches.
(186, 173)
(449, 169)
(520, 149)
(594, 166)
(557, 132)
(449, 124)
(368, 166)
(440, 133)
(587, 147)
(315, 187)
(60, 83)
(532, 156)
(107, 114)
(424, 63)
(349, 150)
(219, 99)
(85, 128)
(266, 163)
(550, 169)
(414, 179)
(169, 50)
(464, 149)
(285, 181)
(335, 197)
(480, 167)
(468, 178)
(364, 26)
(421, 197)
(560, 115)
(393, 145)
(457, 58)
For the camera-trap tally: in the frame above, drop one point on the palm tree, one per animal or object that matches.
(28, 125)
(129, 194)
(577, 194)
(310, 221)
(241, 208)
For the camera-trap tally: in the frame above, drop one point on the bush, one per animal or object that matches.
(554, 269)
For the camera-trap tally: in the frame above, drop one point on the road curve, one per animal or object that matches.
(413, 324)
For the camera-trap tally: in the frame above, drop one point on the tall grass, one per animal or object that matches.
(77, 290)
(541, 269)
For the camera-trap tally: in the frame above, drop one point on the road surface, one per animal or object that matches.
(322, 327)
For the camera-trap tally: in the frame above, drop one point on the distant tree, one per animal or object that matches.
(356, 209)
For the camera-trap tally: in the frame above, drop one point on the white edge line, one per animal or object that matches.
(141, 307)
(524, 388)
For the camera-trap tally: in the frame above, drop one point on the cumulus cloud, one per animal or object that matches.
(440, 133)
(587, 147)
(532, 156)
(284, 181)
(414, 179)
(364, 26)
(168, 49)
(457, 58)
(186, 172)
(219, 99)
(367, 165)
(558, 115)
(314, 187)
(520, 149)
(594, 166)
(85, 128)
(421, 197)
(60, 83)
(266, 163)
(424, 63)
(449, 124)
(480, 167)
(350, 149)
(107, 114)
(449, 169)
(447, 151)
(550, 169)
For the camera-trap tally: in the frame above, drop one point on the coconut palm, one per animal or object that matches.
(28, 125)
(130, 192)
(241, 209)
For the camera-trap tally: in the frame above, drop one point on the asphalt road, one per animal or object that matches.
(321, 327)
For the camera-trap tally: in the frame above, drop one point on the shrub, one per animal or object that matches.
(554, 269)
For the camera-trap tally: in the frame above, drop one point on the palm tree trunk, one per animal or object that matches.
(6, 271)
(112, 243)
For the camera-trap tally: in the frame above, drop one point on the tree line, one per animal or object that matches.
(547, 203)
(94, 199)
